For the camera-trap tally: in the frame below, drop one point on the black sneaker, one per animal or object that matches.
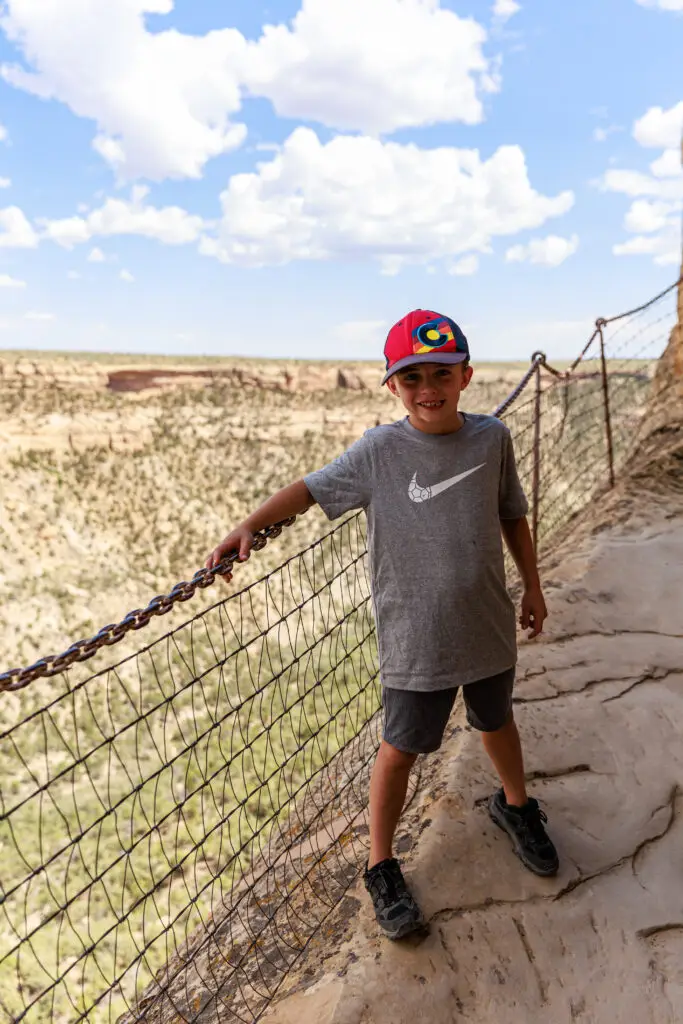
(525, 826)
(396, 911)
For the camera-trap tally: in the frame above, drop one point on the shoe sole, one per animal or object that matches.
(542, 872)
(405, 929)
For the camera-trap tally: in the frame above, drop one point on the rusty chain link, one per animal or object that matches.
(52, 665)
(538, 359)
(504, 405)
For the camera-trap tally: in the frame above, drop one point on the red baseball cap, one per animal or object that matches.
(424, 336)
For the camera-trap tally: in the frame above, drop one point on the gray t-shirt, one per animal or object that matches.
(433, 504)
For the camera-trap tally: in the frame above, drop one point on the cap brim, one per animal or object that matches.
(426, 357)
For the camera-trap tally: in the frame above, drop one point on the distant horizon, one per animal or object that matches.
(101, 356)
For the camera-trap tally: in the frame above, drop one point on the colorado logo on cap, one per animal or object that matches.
(433, 334)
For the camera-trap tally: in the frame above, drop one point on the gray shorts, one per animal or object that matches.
(415, 720)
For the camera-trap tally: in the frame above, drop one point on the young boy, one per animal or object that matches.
(438, 488)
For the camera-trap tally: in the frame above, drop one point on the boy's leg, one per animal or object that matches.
(505, 750)
(396, 911)
(388, 788)
(412, 722)
(489, 709)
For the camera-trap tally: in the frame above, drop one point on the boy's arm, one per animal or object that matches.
(292, 500)
(518, 539)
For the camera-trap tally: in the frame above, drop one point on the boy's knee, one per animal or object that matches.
(395, 758)
(499, 725)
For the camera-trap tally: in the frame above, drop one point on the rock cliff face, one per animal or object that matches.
(667, 403)
(659, 455)
(20, 373)
(276, 378)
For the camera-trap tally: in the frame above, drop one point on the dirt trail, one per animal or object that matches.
(600, 709)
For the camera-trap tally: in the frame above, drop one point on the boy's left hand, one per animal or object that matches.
(534, 612)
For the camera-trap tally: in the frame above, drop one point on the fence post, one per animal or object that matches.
(538, 358)
(605, 396)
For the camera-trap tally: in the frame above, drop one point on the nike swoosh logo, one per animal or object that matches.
(419, 494)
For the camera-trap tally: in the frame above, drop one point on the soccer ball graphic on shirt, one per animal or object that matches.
(418, 494)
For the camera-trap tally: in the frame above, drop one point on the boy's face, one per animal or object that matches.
(430, 393)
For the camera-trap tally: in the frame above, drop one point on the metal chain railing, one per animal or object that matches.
(82, 650)
(178, 826)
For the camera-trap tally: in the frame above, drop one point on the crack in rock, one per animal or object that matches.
(564, 638)
(524, 938)
(449, 913)
(653, 674)
(534, 675)
(648, 933)
(575, 769)
(571, 693)
(450, 959)
(629, 857)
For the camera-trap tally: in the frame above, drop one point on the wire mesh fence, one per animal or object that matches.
(177, 825)
(574, 430)
(207, 786)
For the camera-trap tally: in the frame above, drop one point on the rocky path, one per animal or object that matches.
(600, 709)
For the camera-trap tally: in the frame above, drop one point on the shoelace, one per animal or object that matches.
(532, 822)
(388, 884)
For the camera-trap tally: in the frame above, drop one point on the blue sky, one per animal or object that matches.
(289, 178)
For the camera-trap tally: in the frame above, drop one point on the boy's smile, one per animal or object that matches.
(430, 393)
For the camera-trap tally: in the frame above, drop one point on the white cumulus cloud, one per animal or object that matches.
(162, 100)
(11, 282)
(645, 216)
(5, 182)
(96, 256)
(504, 9)
(654, 216)
(668, 165)
(165, 102)
(660, 129)
(15, 230)
(373, 67)
(664, 247)
(549, 252)
(168, 224)
(638, 183)
(126, 276)
(357, 197)
(465, 267)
